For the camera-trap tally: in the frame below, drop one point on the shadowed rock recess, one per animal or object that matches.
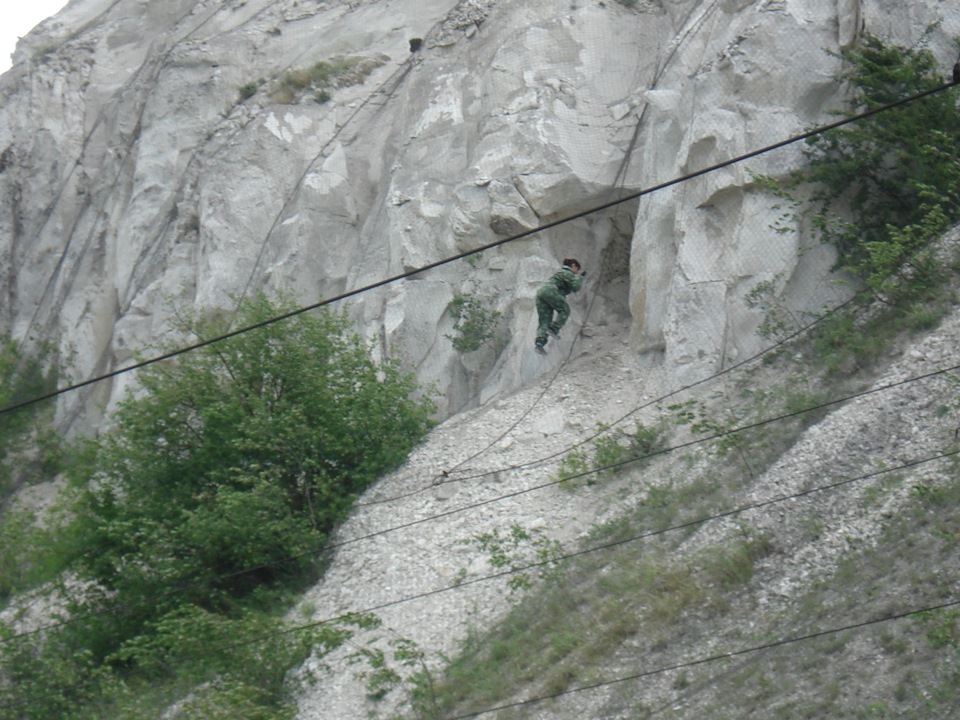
(165, 158)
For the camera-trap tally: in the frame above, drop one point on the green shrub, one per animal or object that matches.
(249, 649)
(44, 677)
(474, 322)
(323, 76)
(882, 191)
(886, 187)
(942, 628)
(297, 78)
(611, 450)
(22, 377)
(196, 517)
(779, 322)
(574, 465)
(31, 450)
(732, 565)
(519, 549)
(33, 550)
(615, 447)
(231, 464)
(404, 666)
(208, 664)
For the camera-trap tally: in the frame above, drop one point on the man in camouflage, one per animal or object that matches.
(551, 298)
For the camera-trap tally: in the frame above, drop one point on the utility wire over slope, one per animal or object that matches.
(553, 483)
(587, 551)
(539, 460)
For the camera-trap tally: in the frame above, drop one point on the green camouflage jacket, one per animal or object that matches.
(566, 281)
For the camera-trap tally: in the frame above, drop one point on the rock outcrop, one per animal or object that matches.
(179, 155)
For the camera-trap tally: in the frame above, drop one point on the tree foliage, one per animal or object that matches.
(207, 502)
(887, 186)
(229, 466)
(204, 664)
(23, 376)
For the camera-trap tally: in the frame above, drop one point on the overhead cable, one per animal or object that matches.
(606, 546)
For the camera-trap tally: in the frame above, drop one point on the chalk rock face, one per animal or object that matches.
(163, 157)
(742, 76)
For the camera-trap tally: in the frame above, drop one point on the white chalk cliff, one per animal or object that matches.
(136, 180)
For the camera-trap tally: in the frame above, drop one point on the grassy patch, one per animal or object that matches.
(560, 633)
(322, 78)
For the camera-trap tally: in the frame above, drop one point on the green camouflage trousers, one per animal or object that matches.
(549, 301)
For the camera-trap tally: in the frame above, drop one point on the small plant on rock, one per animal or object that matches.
(779, 321)
(520, 551)
(474, 322)
(612, 448)
(248, 90)
(322, 77)
(401, 666)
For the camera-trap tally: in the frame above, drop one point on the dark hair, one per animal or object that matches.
(570, 261)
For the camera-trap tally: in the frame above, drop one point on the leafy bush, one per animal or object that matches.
(882, 191)
(517, 550)
(474, 322)
(323, 76)
(22, 377)
(203, 508)
(574, 465)
(34, 549)
(779, 322)
(401, 665)
(44, 678)
(31, 450)
(887, 186)
(248, 90)
(206, 665)
(226, 471)
(251, 650)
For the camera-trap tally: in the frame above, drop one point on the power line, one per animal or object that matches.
(724, 434)
(327, 548)
(643, 536)
(705, 439)
(497, 243)
(727, 370)
(542, 486)
(662, 451)
(612, 466)
(187, 588)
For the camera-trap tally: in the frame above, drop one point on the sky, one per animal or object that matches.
(17, 18)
